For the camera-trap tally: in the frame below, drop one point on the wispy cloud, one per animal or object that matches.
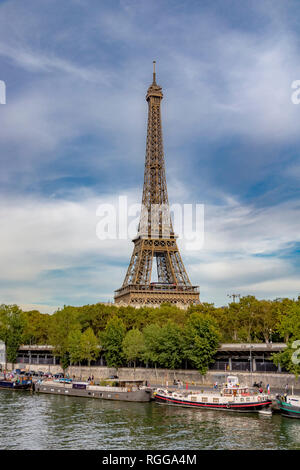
(50, 247)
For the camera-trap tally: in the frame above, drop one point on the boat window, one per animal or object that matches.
(193, 398)
(205, 399)
(248, 399)
(215, 400)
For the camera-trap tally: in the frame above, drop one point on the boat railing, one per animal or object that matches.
(103, 388)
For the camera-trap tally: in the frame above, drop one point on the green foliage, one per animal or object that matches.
(89, 346)
(111, 341)
(36, 328)
(201, 341)
(12, 325)
(289, 358)
(63, 323)
(165, 336)
(133, 345)
(64, 360)
(289, 320)
(74, 346)
(152, 334)
(170, 347)
(163, 345)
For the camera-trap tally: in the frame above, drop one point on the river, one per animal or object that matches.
(32, 421)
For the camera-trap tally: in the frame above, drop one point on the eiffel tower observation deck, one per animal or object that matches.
(155, 245)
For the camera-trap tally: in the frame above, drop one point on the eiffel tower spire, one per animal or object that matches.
(155, 238)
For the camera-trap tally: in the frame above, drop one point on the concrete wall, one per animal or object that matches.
(161, 376)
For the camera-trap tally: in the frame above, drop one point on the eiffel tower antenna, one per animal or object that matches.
(154, 74)
(155, 239)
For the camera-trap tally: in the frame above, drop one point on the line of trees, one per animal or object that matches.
(165, 345)
(163, 337)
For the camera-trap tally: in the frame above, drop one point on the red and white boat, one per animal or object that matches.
(232, 397)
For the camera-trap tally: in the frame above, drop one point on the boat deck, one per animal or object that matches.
(94, 391)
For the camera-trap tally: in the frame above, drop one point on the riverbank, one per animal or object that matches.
(276, 380)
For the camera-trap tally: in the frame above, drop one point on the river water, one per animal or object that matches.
(32, 421)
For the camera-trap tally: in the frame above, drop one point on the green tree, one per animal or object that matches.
(74, 346)
(266, 321)
(89, 346)
(289, 320)
(36, 330)
(12, 325)
(170, 347)
(201, 341)
(111, 341)
(152, 335)
(133, 345)
(289, 358)
(63, 322)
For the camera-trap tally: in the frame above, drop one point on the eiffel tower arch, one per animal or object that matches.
(155, 244)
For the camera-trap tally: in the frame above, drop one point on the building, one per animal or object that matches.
(243, 357)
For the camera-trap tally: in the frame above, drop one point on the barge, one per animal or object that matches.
(233, 397)
(16, 383)
(126, 390)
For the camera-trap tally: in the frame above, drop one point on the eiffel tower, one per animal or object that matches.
(155, 237)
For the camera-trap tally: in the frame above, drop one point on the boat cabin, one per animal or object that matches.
(130, 384)
(232, 381)
(233, 388)
(228, 392)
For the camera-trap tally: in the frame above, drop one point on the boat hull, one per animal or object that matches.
(288, 410)
(7, 385)
(245, 407)
(135, 396)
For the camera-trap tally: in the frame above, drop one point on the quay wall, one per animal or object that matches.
(276, 380)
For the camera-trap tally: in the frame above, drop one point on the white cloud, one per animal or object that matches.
(42, 238)
(41, 308)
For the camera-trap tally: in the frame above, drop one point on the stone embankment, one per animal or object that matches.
(162, 376)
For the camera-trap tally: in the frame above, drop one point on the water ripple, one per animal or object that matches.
(57, 422)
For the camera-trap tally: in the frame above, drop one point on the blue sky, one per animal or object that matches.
(73, 136)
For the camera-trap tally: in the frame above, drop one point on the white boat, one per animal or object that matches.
(232, 397)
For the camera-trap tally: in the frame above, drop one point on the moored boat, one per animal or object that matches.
(125, 390)
(16, 383)
(289, 405)
(232, 397)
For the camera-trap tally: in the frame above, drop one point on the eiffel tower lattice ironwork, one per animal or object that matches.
(155, 238)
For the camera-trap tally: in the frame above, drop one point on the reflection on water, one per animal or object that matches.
(54, 422)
